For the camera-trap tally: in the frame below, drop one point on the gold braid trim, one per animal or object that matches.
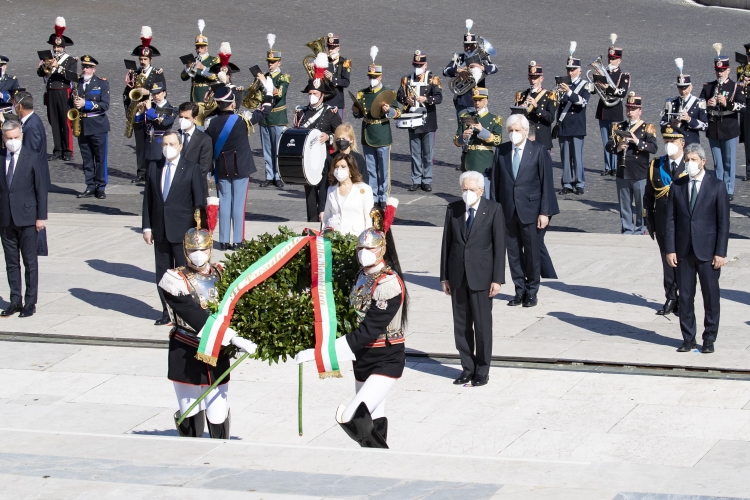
(209, 360)
(333, 374)
(660, 191)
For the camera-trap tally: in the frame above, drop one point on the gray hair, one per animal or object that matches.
(12, 125)
(174, 133)
(518, 118)
(471, 174)
(695, 148)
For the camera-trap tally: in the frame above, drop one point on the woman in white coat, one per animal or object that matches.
(349, 200)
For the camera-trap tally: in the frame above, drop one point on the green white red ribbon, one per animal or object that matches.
(324, 308)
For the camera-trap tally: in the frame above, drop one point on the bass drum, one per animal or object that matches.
(300, 156)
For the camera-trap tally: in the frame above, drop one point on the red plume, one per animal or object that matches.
(390, 213)
(212, 213)
(59, 27)
(225, 52)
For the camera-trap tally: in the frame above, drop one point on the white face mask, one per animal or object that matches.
(366, 257)
(341, 174)
(692, 168)
(169, 152)
(516, 137)
(198, 258)
(13, 145)
(418, 71)
(476, 73)
(612, 67)
(469, 197)
(185, 124)
(374, 82)
(314, 99)
(671, 149)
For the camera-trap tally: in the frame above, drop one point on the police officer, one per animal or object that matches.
(420, 92)
(480, 135)
(538, 105)
(338, 74)
(143, 78)
(686, 109)
(724, 101)
(273, 125)
(199, 72)
(58, 74)
(571, 125)
(609, 111)
(743, 78)
(92, 102)
(8, 85)
(632, 150)
(157, 116)
(474, 60)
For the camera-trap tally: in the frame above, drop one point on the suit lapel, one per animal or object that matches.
(479, 216)
(701, 194)
(461, 216)
(525, 157)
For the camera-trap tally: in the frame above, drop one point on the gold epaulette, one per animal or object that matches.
(102, 78)
(360, 95)
(455, 141)
(650, 129)
(498, 120)
(285, 78)
(158, 71)
(435, 80)
(347, 64)
(552, 96)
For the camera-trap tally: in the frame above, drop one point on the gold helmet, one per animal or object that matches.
(197, 238)
(373, 237)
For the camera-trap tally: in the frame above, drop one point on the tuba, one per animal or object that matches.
(601, 70)
(317, 47)
(253, 96)
(205, 108)
(74, 115)
(464, 82)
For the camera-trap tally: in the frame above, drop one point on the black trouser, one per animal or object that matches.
(94, 156)
(166, 256)
(139, 132)
(57, 114)
(522, 244)
(746, 140)
(311, 201)
(21, 239)
(687, 268)
(472, 327)
(670, 278)
(546, 268)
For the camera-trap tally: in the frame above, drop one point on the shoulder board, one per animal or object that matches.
(330, 109)
(285, 78)
(552, 96)
(436, 81)
(701, 104)
(626, 74)
(361, 94)
(465, 113)
(650, 129)
(12, 77)
(102, 78)
(174, 283)
(158, 71)
(347, 64)
(387, 287)
(498, 120)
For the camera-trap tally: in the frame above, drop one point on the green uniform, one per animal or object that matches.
(375, 132)
(480, 152)
(277, 117)
(201, 84)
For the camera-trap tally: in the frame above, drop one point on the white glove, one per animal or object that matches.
(244, 345)
(268, 85)
(305, 356)
(343, 352)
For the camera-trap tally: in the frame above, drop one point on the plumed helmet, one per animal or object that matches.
(374, 237)
(197, 238)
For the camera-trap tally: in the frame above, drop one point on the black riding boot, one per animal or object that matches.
(191, 426)
(361, 428)
(220, 431)
(381, 426)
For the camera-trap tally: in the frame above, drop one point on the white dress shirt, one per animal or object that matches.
(475, 206)
(349, 214)
(171, 173)
(698, 184)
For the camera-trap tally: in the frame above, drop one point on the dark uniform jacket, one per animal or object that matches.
(235, 159)
(154, 75)
(156, 124)
(426, 85)
(25, 201)
(341, 71)
(696, 110)
(451, 71)
(614, 113)
(656, 196)
(277, 116)
(723, 121)
(571, 120)
(323, 118)
(58, 79)
(94, 113)
(199, 85)
(745, 117)
(376, 132)
(632, 163)
(542, 116)
(8, 84)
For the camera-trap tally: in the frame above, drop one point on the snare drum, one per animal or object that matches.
(300, 156)
(410, 120)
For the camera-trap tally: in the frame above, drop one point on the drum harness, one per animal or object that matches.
(315, 117)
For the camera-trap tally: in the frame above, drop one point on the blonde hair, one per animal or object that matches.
(345, 129)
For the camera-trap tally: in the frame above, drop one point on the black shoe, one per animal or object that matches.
(605, 172)
(517, 300)
(224, 247)
(731, 197)
(687, 347)
(612, 173)
(708, 347)
(579, 190)
(746, 178)
(86, 194)
(164, 320)
(101, 195)
(361, 428)
(458, 168)
(427, 188)
(220, 431)
(278, 184)
(565, 191)
(669, 307)
(480, 381)
(464, 378)
(414, 187)
(530, 301)
(67, 157)
(381, 427)
(676, 311)
(191, 426)
(12, 309)
(265, 183)
(54, 156)
(27, 311)
(237, 246)
(138, 179)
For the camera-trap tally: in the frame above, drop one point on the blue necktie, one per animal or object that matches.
(516, 162)
(470, 220)
(167, 181)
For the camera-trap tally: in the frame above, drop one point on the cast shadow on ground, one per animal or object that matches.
(116, 302)
(611, 328)
(102, 209)
(432, 366)
(433, 283)
(121, 270)
(173, 432)
(602, 294)
(736, 296)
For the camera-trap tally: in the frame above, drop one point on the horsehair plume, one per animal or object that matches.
(717, 47)
(146, 32)
(201, 25)
(573, 46)
(271, 40)
(469, 24)
(321, 60)
(678, 62)
(373, 52)
(59, 26)
(225, 52)
(390, 213)
(613, 38)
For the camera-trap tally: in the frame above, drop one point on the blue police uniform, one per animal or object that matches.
(8, 85)
(571, 124)
(696, 110)
(459, 61)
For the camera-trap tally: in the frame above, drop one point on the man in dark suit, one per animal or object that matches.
(174, 189)
(196, 144)
(34, 134)
(522, 181)
(697, 234)
(472, 268)
(23, 212)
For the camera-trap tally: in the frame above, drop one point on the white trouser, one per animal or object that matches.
(216, 403)
(372, 392)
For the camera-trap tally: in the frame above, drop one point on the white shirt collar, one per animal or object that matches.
(176, 160)
(23, 120)
(189, 131)
(7, 154)
(676, 160)
(521, 146)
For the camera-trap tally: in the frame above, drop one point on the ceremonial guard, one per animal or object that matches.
(338, 74)
(538, 105)
(223, 70)
(91, 102)
(141, 81)
(157, 116)
(480, 132)
(8, 85)
(376, 105)
(58, 73)
(571, 125)
(743, 78)
(189, 291)
(661, 173)
(474, 62)
(317, 115)
(724, 100)
(420, 93)
(686, 111)
(632, 141)
(376, 346)
(273, 125)
(198, 72)
(611, 94)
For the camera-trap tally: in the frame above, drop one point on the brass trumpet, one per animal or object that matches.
(317, 47)
(74, 115)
